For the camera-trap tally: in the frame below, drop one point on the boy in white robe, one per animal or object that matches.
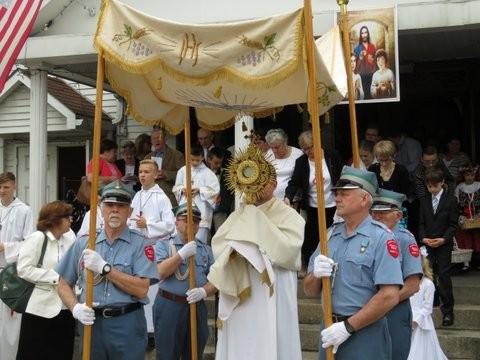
(16, 222)
(205, 188)
(152, 216)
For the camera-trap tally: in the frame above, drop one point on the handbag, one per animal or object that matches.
(83, 193)
(15, 292)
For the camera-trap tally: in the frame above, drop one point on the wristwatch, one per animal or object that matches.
(106, 269)
(348, 327)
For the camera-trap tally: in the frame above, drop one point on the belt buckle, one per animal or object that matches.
(104, 313)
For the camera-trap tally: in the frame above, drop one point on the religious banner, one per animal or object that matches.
(162, 68)
(373, 37)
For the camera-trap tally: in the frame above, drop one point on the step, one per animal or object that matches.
(465, 288)
(209, 354)
(460, 344)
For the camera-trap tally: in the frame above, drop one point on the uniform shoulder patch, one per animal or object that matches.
(149, 252)
(392, 248)
(414, 250)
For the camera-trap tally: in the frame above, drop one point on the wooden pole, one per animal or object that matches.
(317, 148)
(191, 237)
(97, 132)
(351, 91)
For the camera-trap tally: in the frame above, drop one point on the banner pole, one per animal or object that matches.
(92, 233)
(191, 237)
(351, 91)
(318, 153)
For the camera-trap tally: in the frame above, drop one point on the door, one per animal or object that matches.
(23, 171)
(71, 168)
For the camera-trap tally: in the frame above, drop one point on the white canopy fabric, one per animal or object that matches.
(162, 68)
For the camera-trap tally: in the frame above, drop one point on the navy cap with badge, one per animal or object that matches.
(352, 178)
(116, 192)
(181, 210)
(388, 200)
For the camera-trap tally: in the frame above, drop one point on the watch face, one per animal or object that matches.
(107, 268)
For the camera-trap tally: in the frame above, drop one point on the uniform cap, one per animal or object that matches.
(116, 192)
(387, 200)
(181, 210)
(352, 178)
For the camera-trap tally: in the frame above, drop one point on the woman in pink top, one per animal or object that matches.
(108, 170)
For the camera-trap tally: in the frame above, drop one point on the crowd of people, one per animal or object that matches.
(392, 226)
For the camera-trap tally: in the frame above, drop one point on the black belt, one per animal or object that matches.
(173, 297)
(109, 312)
(339, 318)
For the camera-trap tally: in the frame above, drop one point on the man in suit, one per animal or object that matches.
(169, 161)
(438, 221)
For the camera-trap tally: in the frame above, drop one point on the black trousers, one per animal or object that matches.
(311, 238)
(46, 339)
(441, 260)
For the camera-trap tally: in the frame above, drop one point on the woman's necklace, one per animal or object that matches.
(386, 173)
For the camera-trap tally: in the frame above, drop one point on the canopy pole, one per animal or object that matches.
(317, 148)
(191, 237)
(97, 133)
(351, 91)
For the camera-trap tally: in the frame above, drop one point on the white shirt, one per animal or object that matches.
(85, 227)
(207, 183)
(467, 188)
(284, 169)
(156, 208)
(44, 300)
(16, 224)
(327, 186)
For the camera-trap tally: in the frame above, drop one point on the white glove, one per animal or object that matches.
(83, 313)
(334, 335)
(195, 295)
(93, 261)
(189, 249)
(322, 266)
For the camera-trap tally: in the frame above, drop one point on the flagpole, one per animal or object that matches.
(97, 132)
(318, 153)
(351, 91)
(191, 237)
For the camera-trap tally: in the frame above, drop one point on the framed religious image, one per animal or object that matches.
(373, 36)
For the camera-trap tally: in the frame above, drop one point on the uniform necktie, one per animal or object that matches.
(435, 204)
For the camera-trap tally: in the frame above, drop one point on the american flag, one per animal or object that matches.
(16, 20)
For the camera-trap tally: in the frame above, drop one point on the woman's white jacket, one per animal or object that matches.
(44, 300)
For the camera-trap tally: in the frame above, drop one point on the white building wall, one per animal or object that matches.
(412, 14)
(15, 114)
(109, 100)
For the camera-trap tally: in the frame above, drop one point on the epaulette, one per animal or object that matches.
(406, 231)
(382, 225)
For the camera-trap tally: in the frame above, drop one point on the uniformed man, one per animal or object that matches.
(367, 275)
(124, 268)
(171, 311)
(387, 209)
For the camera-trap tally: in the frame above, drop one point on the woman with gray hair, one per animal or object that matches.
(283, 157)
(302, 186)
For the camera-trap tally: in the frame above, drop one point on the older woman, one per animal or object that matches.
(129, 164)
(302, 186)
(108, 170)
(390, 175)
(48, 328)
(283, 157)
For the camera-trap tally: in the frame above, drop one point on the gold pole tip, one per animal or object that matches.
(342, 2)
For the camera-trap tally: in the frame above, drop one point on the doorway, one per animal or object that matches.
(71, 168)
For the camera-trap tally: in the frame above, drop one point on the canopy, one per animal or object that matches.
(162, 68)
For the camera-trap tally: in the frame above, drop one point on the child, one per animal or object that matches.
(468, 196)
(425, 344)
(151, 215)
(205, 188)
(438, 222)
(383, 80)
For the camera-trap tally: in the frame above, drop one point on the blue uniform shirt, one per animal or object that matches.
(129, 253)
(410, 258)
(366, 259)
(203, 261)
